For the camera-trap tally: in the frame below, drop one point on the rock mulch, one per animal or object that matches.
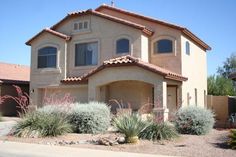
(210, 145)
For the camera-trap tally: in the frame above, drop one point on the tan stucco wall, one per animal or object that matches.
(133, 92)
(219, 105)
(78, 93)
(194, 66)
(105, 32)
(169, 61)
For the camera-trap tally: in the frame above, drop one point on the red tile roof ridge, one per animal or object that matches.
(129, 60)
(49, 30)
(146, 30)
(184, 30)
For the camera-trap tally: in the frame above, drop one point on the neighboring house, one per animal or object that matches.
(109, 53)
(12, 74)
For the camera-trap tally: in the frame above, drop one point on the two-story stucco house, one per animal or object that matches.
(110, 53)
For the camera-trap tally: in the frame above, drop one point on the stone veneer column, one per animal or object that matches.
(160, 101)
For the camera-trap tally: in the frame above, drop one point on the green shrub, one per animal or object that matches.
(232, 141)
(131, 125)
(194, 120)
(159, 131)
(93, 117)
(42, 124)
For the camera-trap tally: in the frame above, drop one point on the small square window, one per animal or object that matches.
(75, 26)
(86, 25)
(80, 25)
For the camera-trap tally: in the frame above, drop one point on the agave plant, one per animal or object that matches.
(131, 125)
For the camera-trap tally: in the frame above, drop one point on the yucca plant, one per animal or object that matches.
(41, 124)
(131, 125)
(232, 141)
(159, 131)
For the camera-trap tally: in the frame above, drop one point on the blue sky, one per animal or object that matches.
(214, 21)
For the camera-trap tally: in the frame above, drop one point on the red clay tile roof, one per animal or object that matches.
(185, 31)
(14, 73)
(143, 28)
(60, 35)
(127, 61)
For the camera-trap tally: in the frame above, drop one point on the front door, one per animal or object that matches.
(172, 100)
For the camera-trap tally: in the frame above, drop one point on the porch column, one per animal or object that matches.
(160, 101)
(93, 93)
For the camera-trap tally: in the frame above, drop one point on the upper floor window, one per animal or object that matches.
(81, 25)
(86, 54)
(122, 46)
(164, 46)
(187, 48)
(47, 57)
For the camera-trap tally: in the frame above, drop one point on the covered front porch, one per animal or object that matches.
(135, 87)
(131, 81)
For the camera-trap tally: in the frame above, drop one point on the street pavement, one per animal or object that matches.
(16, 149)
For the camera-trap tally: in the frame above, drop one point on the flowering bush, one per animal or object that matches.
(22, 99)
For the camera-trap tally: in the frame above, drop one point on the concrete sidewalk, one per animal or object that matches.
(15, 149)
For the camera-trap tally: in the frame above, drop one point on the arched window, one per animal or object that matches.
(164, 46)
(187, 48)
(122, 46)
(47, 57)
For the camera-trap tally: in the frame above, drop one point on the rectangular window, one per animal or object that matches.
(47, 57)
(188, 98)
(195, 91)
(81, 25)
(86, 54)
(85, 24)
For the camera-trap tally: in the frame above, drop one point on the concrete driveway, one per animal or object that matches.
(14, 149)
(5, 127)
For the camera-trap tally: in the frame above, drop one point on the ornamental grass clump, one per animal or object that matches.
(232, 141)
(194, 120)
(92, 117)
(159, 131)
(131, 125)
(42, 124)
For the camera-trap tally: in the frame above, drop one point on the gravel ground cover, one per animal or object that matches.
(211, 145)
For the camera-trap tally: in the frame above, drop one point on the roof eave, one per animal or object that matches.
(47, 30)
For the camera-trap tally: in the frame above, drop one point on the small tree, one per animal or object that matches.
(218, 85)
(229, 66)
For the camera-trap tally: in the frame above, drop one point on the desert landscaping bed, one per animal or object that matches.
(210, 145)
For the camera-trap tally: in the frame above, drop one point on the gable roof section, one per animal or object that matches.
(48, 30)
(14, 73)
(185, 31)
(144, 29)
(127, 61)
